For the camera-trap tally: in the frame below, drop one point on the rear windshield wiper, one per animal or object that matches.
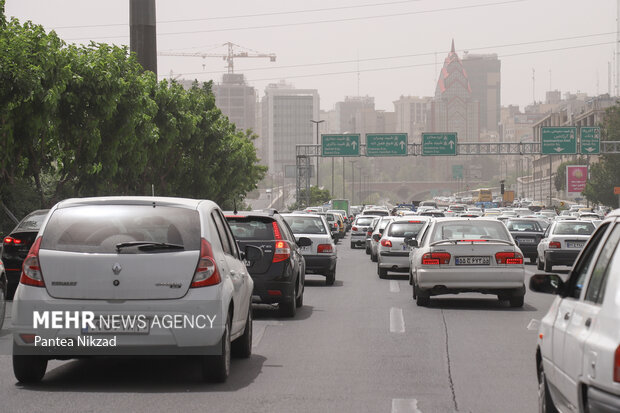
(148, 245)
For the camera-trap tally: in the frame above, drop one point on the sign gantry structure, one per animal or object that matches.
(554, 141)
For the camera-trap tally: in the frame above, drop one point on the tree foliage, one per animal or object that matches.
(87, 121)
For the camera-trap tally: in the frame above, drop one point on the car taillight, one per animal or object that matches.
(386, 243)
(31, 269)
(369, 233)
(283, 251)
(11, 240)
(509, 258)
(354, 228)
(324, 248)
(555, 244)
(617, 365)
(435, 258)
(276, 230)
(206, 272)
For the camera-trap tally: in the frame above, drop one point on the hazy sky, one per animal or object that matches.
(383, 48)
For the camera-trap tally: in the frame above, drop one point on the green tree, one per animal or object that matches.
(318, 196)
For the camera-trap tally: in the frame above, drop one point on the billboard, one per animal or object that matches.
(576, 178)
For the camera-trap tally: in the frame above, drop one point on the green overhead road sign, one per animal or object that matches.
(559, 141)
(439, 144)
(590, 140)
(386, 144)
(341, 145)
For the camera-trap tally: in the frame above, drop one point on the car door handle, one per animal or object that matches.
(588, 322)
(566, 316)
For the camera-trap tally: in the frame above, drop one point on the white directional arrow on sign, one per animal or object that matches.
(589, 149)
(558, 149)
(402, 145)
(354, 144)
(451, 144)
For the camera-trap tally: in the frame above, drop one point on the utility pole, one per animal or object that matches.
(318, 158)
(142, 33)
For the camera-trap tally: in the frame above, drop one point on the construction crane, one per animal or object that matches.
(229, 57)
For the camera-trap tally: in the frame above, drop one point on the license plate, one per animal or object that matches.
(472, 260)
(247, 263)
(140, 326)
(525, 240)
(405, 247)
(575, 244)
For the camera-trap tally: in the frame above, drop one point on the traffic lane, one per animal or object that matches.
(338, 354)
(488, 347)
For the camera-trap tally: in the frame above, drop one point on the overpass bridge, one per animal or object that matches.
(410, 190)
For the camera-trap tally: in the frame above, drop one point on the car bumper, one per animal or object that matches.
(471, 279)
(529, 250)
(566, 257)
(192, 325)
(320, 264)
(358, 239)
(394, 261)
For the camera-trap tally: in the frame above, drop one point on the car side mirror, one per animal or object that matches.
(546, 283)
(252, 253)
(412, 242)
(376, 237)
(304, 242)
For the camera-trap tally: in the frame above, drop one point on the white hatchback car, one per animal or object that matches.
(320, 256)
(578, 349)
(457, 255)
(133, 276)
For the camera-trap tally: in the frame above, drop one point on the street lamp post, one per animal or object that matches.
(353, 182)
(316, 122)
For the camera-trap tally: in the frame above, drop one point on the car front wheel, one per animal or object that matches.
(545, 403)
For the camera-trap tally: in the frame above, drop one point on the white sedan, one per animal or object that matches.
(562, 242)
(458, 255)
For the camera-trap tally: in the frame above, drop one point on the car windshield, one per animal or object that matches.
(405, 229)
(306, 225)
(573, 228)
(467, 230)
(523, 226)
(100, 228)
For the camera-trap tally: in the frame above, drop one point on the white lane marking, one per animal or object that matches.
(405, 406)
(533, 324)
(394, 286)
(397, 321)
(258, 330)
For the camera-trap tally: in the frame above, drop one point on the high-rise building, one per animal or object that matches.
(411, 115)
(286, 113)
(348, 112)
(454, 109)
(236, 100)
(483, 73)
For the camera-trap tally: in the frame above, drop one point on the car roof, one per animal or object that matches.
(133, 200)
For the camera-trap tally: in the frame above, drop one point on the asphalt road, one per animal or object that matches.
(359, 346)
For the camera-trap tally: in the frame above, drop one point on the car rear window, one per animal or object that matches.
(32, 222)
(523, 226)
(470, 230)
(252, 228)
(376, 212)
(364, 221)
(99, 228)
(573, 228)
(405, 229)
(305, 225)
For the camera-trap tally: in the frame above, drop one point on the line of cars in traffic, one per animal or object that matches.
(578, 349)
(154, 257)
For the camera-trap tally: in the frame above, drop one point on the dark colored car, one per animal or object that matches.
(279, 275)
(2, 294)
(17, 243)
(527, 233)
